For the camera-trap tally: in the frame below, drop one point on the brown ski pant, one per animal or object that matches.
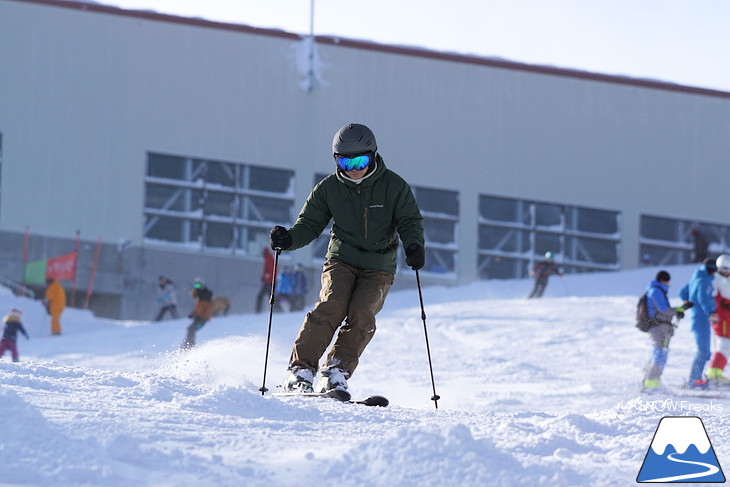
(356, 295)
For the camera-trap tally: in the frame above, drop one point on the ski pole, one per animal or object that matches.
(272, 300)
(435, 396)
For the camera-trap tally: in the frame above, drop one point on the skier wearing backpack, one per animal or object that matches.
(700, 291)
(660, 313)
(721, 326)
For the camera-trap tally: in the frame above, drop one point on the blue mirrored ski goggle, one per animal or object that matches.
(356, 163)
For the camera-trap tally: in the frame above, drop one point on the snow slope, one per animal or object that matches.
(533, 392)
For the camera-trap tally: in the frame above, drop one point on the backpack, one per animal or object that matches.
(643, 322)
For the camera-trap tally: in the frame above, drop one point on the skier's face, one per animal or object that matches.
(356, 173)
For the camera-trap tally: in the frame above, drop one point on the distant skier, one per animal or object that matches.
(542, 272)
(266, 275)
(10, 334)
(722, 324)
(55, 303)
(371, 206)
(299, 289)
(167, 298)
(202, 313)
(700, 292)
(285, 286)
(661, 314)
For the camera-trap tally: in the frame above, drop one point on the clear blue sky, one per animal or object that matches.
(679, 41)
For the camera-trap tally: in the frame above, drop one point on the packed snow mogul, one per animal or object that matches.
(203, 312)
(10, 334)
(370, 206)
(721, 325)
(662, 329)
(542, 272)
(700, 292)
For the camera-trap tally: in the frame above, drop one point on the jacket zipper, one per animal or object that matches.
(364, 214)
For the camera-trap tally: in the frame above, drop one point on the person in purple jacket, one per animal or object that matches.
(10, 333)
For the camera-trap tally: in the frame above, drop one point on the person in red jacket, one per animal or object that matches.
(266, 274)
(721, 323)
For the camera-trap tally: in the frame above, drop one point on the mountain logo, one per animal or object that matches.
(680, 452)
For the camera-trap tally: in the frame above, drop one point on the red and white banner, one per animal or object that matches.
(62, 267)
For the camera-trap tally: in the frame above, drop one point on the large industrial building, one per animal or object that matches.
(179, 142)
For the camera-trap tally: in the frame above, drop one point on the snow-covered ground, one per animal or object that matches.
(533, 392)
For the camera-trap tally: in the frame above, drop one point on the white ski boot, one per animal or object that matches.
(332, 379)
(299, 379)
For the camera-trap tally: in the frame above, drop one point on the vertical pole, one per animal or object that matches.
(272, 300)
(76, 271)
(93, 274)
(435, 398)
(310, 74)
(26, 239)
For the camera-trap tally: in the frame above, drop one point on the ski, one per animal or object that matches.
(381, 401)
(709, 393)
(687, 392)
(342, 396)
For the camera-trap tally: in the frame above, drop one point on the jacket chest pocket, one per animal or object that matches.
(376, 213)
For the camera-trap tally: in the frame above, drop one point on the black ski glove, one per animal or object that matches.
(415, 256)
(279, 238)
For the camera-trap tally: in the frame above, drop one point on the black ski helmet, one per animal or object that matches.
(354, 138)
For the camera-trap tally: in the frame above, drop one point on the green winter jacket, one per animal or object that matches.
(366, 218)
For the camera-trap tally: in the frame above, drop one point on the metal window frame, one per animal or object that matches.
(573, 258)
(244, 215)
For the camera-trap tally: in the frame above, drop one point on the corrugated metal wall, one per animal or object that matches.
(85, 94)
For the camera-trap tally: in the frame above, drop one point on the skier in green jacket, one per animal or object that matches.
(370, 206)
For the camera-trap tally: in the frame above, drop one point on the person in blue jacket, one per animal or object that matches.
(661, 314)
(700, 292)
(285, 286)
(299, 289)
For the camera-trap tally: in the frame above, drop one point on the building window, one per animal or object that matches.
(669, 241)
(214, 205)
(440, 211)
(515, 233)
